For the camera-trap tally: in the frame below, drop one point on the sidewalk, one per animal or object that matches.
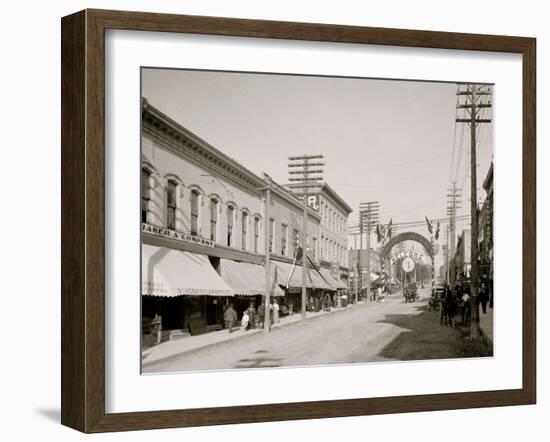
(486, 323)
(191, 344)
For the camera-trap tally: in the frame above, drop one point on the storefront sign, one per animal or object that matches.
(313, 202)
(179, 236)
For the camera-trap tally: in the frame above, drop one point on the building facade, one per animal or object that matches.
(332, 233)
(198, 201)
(486, 228)
(462, 258)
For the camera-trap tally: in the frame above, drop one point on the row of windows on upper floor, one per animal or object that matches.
(332, 220)
(333, 252)
(231, 211)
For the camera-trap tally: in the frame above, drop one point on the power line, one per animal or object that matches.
(420, 160)
(416, 223)
(454, 146)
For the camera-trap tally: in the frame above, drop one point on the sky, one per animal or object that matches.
(395, 142)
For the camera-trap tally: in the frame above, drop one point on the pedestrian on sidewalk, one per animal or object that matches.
(448, 307)
(275, 308)
(245, 321)
(271, 318)
(251, 316)
(483, 297)
(230, 318)
(328, 302)
(261, 315)
(466, 307)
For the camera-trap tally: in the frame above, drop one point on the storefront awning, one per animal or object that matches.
(336, 283)
(248, 279)
(169, 273)
(292, 277)
(373, 278)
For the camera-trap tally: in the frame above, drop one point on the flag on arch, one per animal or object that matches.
(430, 227)
(437, 231)
(388, 232)
(378, 233)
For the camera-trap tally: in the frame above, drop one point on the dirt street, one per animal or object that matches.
(370, 332)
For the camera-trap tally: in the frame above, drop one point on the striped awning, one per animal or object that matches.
(167, 272)
(292, 277)
(336, 283)
(248, 279)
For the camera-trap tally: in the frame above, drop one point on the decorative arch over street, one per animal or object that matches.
(407, 236)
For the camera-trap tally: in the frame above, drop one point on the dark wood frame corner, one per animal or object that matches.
(83, 216)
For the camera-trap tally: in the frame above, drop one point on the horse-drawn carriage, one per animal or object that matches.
(410, 292)
(437, 298)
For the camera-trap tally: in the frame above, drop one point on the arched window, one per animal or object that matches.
(194, 212)
(171, 204)
(284, 239)
(213, 218)
(145, 195)
(230, 215)
(244, 230)
(256, 234)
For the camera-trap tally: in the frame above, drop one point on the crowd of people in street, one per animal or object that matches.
(254, 317)
(254, 313)
(456, 301)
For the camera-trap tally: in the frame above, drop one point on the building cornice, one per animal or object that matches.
(488, 178)
(336, 198)
(190, 146)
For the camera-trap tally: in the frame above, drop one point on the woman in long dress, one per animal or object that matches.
(275, 308)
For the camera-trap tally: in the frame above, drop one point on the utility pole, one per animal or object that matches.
(303, 170)
(431, 230)
(359, 263)
(474, 94)
(267, 235)
(447, 260)
(453, 199)
(368, 215)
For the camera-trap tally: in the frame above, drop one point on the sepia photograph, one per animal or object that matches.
(294, 220)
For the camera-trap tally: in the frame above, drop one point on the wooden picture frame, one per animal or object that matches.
(83, 220)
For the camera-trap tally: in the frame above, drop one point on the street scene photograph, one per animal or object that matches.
(294, 220)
